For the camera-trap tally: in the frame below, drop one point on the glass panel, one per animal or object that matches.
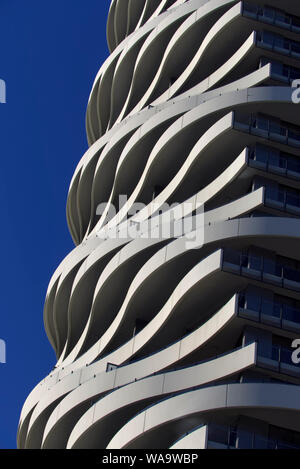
(269, 266)
(227, 435)
(296, 21)
(286, 356)
(274, 158)
(272, 444)
(218, 434)
(286, 71)
(260, 123)
(267, 307)
(275, 193)
(294, 134)
(275, 127)
(294, 73)
(264, 61)
(275, 353)
(269, 38)
(291, 274)
(292, 197)
(231, 256)
(244, 260)
(280, 42)
(295, 47)
(281, 195)
(253, 302)
(277, 309)
(260, 154)
(269, 13)
(282, 162)
(291, 314)
(232, 436)
(250, 8)
(259, 442)
(293, 164)
(255, 262)
(282, 17)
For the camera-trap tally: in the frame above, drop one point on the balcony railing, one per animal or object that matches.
(282, 354)
(274, 161)
(281, 71)
(273, 313)
(272, 16)
(278, 43)
(283, 200)
(261, 268)
(230, 437)
(266, 127)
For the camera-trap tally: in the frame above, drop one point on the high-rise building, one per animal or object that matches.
(174, 327)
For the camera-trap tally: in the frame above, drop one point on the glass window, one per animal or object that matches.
(260, 122)
(269, 38)
(242, 300)
(293, 164)
(254, 261)
(275, 352)
(282, 17)
(286, 71)
(269, 12)
(218, 434)
(290, 314)
(282, 162)
(250, 8)
(267, 307)
(291, 274)
(269, 266)
(275, 127)
(274, 158)
(264, 61)
(280, 42)
(232, 436)
(292, 197)
(296, 21)
(231, 256)
(286, 355)
(275, 193)
(284, 43)
(293, 134)
(261, 153)
(253, 301)
(294, 73)
(295, 47)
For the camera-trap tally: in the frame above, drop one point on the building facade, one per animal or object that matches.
(176, 317)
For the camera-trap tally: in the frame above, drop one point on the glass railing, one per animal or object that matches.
(274, 161)
(223, 435)
(261, 267)
(272, 16)
(282, 354)
(232, 438)
(287, 199)
(278, 43)
(267, 127)
(280, 71)
(264, 307)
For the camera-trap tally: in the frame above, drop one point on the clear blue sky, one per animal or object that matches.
(50, 54)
